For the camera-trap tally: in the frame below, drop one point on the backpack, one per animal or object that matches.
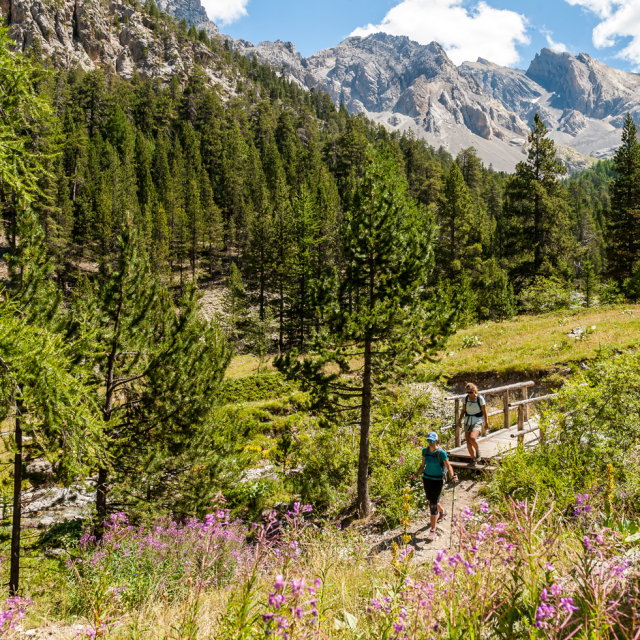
(472, 415)
(427, 453)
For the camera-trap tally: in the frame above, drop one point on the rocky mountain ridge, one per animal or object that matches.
(114, 36)
(391, 79)
(405, 85)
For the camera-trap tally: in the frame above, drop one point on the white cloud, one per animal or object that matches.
(225, 11)
(556, 46)
(618, 19)
(465, 34)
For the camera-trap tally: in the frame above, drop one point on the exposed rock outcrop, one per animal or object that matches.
(384, 73)
(191, 10)
(512, 87)
(108, 35)
(585, 84)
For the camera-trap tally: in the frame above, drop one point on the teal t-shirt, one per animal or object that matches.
(434, 463)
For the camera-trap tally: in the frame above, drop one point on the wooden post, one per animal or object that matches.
(457, 423)
(525, 396)
(520, 424)
(14, 574)
(505, 404)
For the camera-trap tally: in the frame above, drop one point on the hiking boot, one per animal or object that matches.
(442, 515)
(472, 463)
(432, 534)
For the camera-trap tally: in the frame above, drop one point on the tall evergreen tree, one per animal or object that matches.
(539, 240)
(456, 232)
(623, 220)
(387, 245)
(146, 359)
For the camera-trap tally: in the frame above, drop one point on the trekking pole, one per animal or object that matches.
(453, 504)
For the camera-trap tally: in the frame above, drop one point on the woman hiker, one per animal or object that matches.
(434, 459)
(474, 414)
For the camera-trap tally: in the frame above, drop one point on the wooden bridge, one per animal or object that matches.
(496, 444)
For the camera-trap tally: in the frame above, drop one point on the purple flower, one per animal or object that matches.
(567, 605)
(279, 582)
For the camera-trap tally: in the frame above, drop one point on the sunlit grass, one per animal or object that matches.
(535, 344)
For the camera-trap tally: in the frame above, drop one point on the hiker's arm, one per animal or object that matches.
(421, 469)
(452, 474)
(485, 419)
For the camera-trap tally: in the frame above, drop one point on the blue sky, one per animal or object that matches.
(509, 32)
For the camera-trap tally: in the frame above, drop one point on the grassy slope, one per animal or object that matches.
(531, 344)
(536, 344)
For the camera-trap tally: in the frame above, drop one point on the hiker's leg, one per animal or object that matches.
(473, 443)
(470, 449)
(434, 490)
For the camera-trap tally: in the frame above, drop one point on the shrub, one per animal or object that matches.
(468, 342)
(601, 429)
(547, 294)
(256, 388)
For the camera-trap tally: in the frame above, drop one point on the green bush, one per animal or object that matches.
(592, 442)
(256, 388)
(547, 294)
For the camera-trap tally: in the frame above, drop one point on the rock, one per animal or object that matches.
(54, 553)
(512, 87)
(40, 470)
(191, 10)
(576, 332)
(572, 122)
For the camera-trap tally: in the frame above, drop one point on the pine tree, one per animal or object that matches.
(146, 189)
(388, 325)
(259, 335)
(538, 238)
(258, 262)
(589, 282)
(455, 220)
(281, 250)
(143, 354)
(623, 220)
(234, 303)
(471, 169)
(306, 238)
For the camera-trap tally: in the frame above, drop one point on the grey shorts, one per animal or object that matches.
(470, 428)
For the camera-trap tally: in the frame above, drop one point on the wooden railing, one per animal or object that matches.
(523, 414)
(523, 386)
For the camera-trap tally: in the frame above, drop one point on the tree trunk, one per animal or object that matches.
(14, 580)
(101, 503)
(364, 505)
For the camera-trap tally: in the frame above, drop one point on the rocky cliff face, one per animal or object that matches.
(192, 11)
(586, 85)
(110, 35)
(400, 82)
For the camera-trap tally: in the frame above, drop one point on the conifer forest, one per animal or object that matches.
(349, 266)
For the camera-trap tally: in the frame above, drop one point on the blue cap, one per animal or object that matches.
(432, 437)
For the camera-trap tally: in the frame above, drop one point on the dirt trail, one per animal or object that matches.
(425, 548)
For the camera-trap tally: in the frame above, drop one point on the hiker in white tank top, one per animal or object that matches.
(475, 420)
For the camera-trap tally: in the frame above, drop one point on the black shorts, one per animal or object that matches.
(433, 489)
